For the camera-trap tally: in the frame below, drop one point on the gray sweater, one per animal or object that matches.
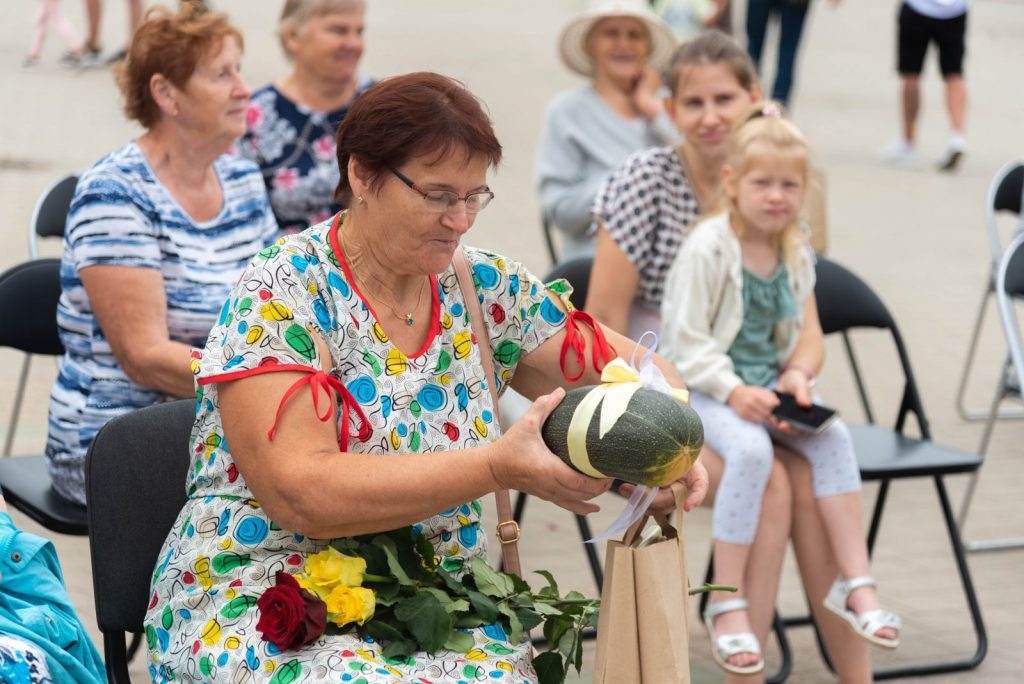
(581, 143)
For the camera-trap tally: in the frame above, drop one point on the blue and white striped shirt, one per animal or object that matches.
(121, 215)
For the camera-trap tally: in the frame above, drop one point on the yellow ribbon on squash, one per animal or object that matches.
(619, 382)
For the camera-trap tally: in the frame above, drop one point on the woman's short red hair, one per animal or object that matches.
(411, 116)
(172, 44)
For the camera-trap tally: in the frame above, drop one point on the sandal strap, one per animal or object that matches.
(728, 606)
(871, 621)
(858, 582)
(733, 644)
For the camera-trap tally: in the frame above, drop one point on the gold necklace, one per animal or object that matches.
(408, 317)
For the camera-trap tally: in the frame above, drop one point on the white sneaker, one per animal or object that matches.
(901, 153)
(955, 148)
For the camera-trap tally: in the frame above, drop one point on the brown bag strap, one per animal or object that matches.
(508, 528)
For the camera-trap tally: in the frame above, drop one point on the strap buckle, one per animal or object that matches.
(505, 536)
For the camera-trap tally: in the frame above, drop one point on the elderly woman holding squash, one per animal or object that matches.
(344, 394)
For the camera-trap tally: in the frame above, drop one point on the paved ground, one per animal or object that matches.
(916, 236)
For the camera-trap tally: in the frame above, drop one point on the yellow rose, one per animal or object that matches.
(350, 604)
(331, 568)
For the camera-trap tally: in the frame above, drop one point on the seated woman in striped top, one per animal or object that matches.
(158, 232)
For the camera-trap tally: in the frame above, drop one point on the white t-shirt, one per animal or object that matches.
(939, 9)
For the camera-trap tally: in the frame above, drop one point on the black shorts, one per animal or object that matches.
(916, 31)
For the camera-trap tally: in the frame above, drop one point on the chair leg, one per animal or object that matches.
(133, 647)
(115, 657)
(595, 562)
(986, 437)
(1000, 544)
(918, 670)
(16, 408)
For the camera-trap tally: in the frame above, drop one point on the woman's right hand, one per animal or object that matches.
(753, 403)
(522, 461)
(647, 93)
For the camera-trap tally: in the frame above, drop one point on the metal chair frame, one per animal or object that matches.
(846, 303)
(1009, 288)
(1004, 195)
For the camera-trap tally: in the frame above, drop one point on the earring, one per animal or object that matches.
(359, 199)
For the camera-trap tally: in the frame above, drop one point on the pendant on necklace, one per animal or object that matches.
(408, 319)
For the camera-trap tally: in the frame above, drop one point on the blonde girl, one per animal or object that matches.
(737, 299)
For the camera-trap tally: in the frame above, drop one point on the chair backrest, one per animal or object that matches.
(51, 211)
(1010, 286)
(577, 273)
(845, 303)
(549, 236)
(29, 293)
(1004, 195)
(135, 487)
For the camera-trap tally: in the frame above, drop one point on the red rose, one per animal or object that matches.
(290, 616)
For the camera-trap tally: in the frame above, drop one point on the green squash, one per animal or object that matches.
(650, 438)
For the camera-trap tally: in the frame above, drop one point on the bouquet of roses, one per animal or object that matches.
(392, 588)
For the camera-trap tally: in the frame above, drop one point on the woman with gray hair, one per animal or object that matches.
(291, 122)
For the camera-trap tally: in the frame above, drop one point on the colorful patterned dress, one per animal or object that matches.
(223, 551)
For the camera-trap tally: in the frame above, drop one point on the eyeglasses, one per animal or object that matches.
(442, 201)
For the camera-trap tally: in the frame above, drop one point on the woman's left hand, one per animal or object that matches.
(696, 483)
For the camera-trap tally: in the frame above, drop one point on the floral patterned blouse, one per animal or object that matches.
(295, 150)
(223, 551)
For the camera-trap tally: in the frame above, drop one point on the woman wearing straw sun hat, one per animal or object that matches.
(620, 46)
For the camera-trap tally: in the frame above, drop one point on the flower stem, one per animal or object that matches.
(377, 578)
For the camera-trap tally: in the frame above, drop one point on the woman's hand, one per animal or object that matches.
(646, 93)
(753, 403)
(695, 481)
(524, 463)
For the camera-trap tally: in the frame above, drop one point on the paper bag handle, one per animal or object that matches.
(679, 493)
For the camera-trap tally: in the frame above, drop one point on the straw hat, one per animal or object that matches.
(573, 40)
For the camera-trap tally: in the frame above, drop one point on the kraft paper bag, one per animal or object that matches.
(642, 630)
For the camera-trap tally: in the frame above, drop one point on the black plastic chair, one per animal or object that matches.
(1009, 290)
(28, 304)
(846, 303)
(135, 485)
(50, 212)
(1004, 196)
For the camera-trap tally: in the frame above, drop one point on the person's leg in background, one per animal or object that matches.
(758, 14)
(792, 16)
(93, 18)
(950, 37)
(912, 41)
(851, 656)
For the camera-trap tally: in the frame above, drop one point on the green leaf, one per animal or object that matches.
(555, 628)
(490, 582)
(552, 588)
(397, 571)
(426, 619)
(381, 630)
(484, 606)
(515, 630)
(529, 618)
(550, 668)
(450, 604)
(460, 642)
(546, 608)
(400, 648)
(567, 644)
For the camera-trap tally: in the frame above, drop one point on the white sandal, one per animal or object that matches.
(865, 624)
(729, 645)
